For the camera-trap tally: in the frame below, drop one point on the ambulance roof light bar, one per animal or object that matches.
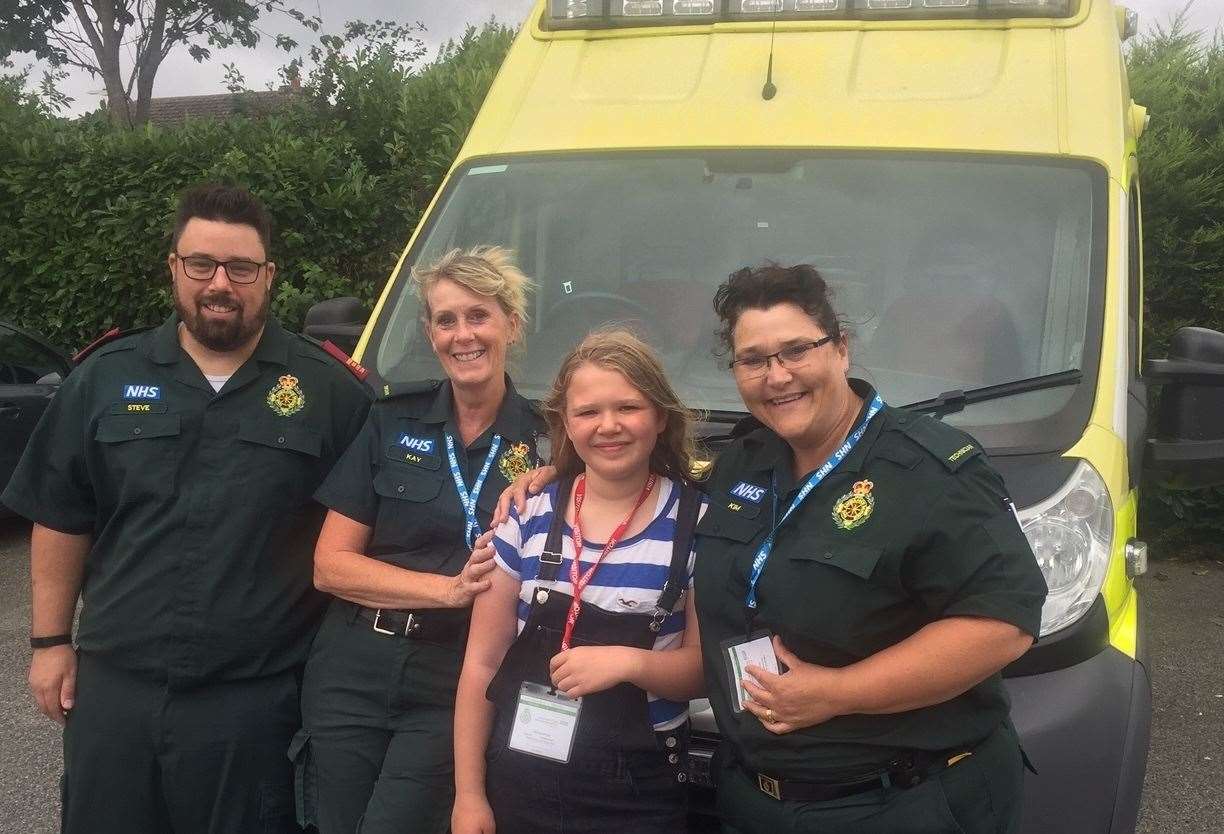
(606, 14)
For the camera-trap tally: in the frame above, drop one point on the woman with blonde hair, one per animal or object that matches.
(408, 502)
(572, 710)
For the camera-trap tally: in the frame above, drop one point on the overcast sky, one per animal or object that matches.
(443, 19)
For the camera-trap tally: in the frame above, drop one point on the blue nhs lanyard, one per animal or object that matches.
(468, 499)
(813, 481)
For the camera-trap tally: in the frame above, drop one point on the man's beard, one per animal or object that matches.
(221, 335)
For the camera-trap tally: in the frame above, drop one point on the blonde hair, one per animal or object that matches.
(616, 349)
(485, 270)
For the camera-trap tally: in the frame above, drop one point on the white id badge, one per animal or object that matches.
(757, 650)
(545, 722)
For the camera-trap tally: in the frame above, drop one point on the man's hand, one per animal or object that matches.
(53, 680)
(803, 696)
(473, 579)
(524, 486)
(588, 669)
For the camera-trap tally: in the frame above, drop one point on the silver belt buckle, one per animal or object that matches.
(377, 616)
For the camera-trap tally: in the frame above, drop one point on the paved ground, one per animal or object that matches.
(1184, 603)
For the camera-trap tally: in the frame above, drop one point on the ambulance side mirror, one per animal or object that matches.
(1187, 451)
(339, 319)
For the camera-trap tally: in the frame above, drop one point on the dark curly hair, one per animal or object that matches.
(761, 287)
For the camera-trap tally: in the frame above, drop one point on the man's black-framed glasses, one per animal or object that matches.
(203, 268)
(789, 357)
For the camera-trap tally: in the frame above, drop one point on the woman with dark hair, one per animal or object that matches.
(862, 580)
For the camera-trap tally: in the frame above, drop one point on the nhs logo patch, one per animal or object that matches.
(142, 392)
(748, 492)
(417, 444)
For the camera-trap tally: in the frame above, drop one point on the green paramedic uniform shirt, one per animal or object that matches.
(396, 479)
(199, 502)
(913, 526)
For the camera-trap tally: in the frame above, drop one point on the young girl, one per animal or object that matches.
(572, 709)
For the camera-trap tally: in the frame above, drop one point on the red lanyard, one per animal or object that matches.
(581, 581)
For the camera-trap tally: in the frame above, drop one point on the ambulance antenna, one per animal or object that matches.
(769, 90)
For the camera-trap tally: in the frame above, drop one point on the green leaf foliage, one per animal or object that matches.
(1179, 76)
(86, 210)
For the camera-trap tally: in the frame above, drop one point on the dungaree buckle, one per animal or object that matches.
(408, 624)
(657, 618)
(769, 785)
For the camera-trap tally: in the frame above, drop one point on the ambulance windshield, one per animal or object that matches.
(951, 272)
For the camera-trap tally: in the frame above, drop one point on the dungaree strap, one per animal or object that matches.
(682, 546)
(550, 559)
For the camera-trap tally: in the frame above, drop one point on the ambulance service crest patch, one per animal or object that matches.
(854, 508)
(515, 461)
(286, 397)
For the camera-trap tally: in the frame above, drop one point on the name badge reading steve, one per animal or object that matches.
(544, 723)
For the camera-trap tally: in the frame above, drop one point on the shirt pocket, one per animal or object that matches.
(415, 524)
(725, 545)
(283, 461)
(141, 453)
(832, 593)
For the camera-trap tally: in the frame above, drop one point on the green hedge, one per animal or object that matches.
(84, 209)
(1180, 78)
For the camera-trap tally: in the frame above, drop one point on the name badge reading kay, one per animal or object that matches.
(544, 723)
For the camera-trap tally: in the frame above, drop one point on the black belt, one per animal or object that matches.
(903, 772)
(443, 627)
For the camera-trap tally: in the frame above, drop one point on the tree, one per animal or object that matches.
(97, 36)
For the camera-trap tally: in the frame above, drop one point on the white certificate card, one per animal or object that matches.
(755, 651)
(544, 723)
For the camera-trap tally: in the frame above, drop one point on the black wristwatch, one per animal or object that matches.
(48, 642)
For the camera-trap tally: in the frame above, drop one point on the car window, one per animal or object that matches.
(24, 361)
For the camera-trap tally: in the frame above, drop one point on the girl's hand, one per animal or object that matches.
(524, 486)
(587, 669)
(472, 815)
(473, 579)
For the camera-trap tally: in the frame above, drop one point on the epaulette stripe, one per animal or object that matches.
(108, 336)
(355, 368)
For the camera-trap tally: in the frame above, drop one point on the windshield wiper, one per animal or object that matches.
(953, 401)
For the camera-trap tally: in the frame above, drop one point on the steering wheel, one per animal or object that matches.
(586, 311)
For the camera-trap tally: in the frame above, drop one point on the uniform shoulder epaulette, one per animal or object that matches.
(336, 352)
(112, 335)
(951, 446)
(403, 389)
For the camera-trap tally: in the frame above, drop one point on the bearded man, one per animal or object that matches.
(170, 486)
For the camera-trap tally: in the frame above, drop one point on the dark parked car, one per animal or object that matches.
(31, 370)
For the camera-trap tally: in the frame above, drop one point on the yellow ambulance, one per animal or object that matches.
(963, 172)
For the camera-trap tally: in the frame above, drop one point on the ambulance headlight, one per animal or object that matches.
(1071, 534)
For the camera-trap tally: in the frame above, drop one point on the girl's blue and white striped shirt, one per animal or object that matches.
(629, 579)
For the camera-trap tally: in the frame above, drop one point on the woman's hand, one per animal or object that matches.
(524, 486)
(472, 815)
(473, 579)
(588, 669)
(802, 696)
